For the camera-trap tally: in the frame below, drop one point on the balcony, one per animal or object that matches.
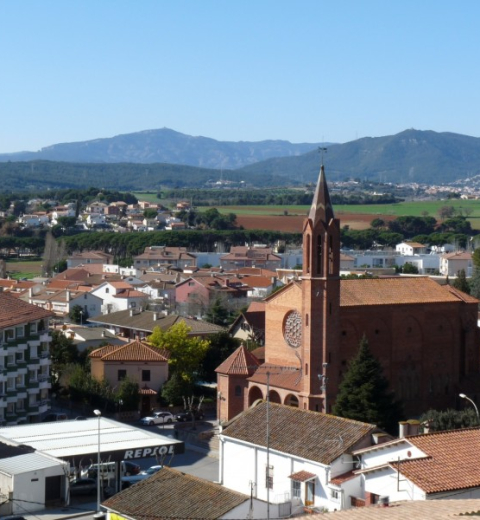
(33, 383)
(45, 337)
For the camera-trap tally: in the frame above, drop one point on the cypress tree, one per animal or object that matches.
(363, 394)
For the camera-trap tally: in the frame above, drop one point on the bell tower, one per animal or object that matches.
(320, 297)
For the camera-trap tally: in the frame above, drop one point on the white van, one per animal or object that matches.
(107, 470)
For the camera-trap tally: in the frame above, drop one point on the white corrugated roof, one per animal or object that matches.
(64, 439)
(27, 463)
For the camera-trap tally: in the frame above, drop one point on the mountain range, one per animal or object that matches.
(153, 158)
(165, 146)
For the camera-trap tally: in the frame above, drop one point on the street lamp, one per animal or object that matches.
(81, 320)
(98, 413)
(463, 396)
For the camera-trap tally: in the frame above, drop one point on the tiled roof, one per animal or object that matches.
(144, 321)
(458, 255)
(256, 307)
(15, 311)
(257, 281)
(310, 435)
(417, 509)
(130, 293)
(460, 295)
(340, 479)
(389, 291)
(241, 362)
(281, 377)
(302, 476)
(451, 462)
(145, 390)
(134, 351)
(172, 494)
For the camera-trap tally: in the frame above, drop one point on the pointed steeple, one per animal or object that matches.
(321, 209)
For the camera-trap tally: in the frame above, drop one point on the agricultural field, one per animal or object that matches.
(290, 218)
(24, 269)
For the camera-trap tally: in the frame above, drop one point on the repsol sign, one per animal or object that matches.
(154, 451)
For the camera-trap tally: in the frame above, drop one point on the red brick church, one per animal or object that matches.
(424, 334)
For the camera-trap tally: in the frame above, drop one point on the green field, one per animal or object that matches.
(417, 209)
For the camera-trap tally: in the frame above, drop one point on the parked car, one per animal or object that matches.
(157, 418)
(107, 470)
(83, 486)
(52, 417)
(188, 415)
(127, 481)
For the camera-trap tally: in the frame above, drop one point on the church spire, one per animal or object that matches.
(321, 209)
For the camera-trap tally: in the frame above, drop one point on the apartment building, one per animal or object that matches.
(24, 361)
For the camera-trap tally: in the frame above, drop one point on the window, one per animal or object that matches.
(145, 375)
(20, 380)
(85, 296)
(296, 489)
(9, 334)
(20, 331)
(238, 391)
(107, 290)
(33, 327)
(11, 359)
(11, 383)
(269, 477)
(122, 374)
(334, 493)
(20, 357)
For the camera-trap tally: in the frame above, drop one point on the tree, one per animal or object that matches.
(377, 223)
(128, 394)
(449, 419)
(218, 314)
(186, 352)
(409, 268)
(77, 314)
(363, 394)
(446, 212)
(475, 283)
(461, 282)
(175, 389)
(221, 346)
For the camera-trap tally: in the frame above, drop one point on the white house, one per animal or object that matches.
(294, 458)
(118, 296)
(451, 263)
(422, 467)
(410, 248)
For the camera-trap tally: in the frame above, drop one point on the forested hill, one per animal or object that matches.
(410, 156)
(43, 175)
(165, 146)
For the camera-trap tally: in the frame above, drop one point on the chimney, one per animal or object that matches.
(402, 429)
(67, 295)
(103, 333)
(30, 292)
(413, 427)
(131, 312)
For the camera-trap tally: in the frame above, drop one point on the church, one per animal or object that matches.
(425, 335)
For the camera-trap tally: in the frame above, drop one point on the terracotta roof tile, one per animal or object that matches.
(419, 509)
(134, 351)
(302, 476)
(340, 479)
(172, 494)
(15, 311)
(281, 377)
(389, 291)
(451, 463)
(240, 362)
(301, 433)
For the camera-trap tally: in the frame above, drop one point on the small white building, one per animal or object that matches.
(118, 296)
(304, 461)
(30, 481)
(422, 467)
(411, 248)
(452, 263)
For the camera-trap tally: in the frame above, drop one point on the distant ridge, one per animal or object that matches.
(153, 158)
(410, 156)
(165, 146)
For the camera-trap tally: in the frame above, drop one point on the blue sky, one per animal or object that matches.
(304, 71)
